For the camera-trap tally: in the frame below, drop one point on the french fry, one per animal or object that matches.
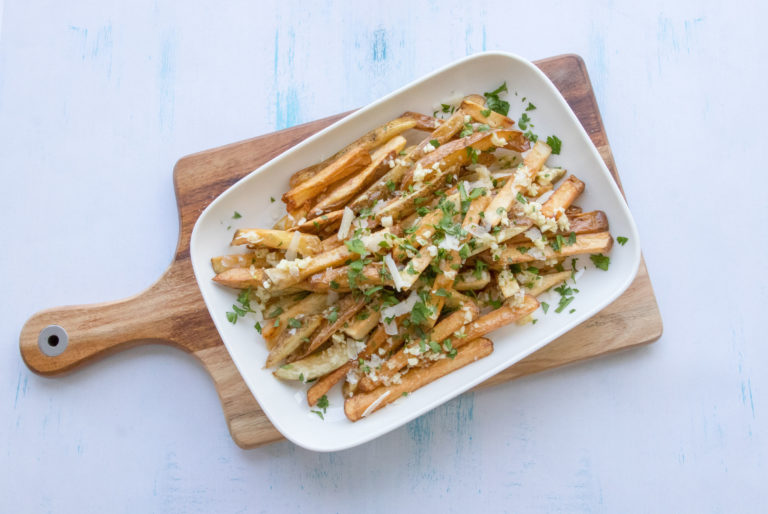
(241, 278)
(320, 224)
(361, 405)
(423, 122)
(586, 243)
(496, 319)
(563, 196)
(372, 139)
(324, 384)
(345, 166)
(493, 119)
(478, 205)
(406, 204)
(584, 223)
(349, 188)
(462, 151)
(313, 304)
(455, 300)
(347, 307)
(548, 281)
(380, 189)
(318, 364)
(291, 339)
(502, 202)
(399, 360)
(472, 281)
(337, 279)
(573, 209)
(279, 239)
(359, 327)
(240, 260)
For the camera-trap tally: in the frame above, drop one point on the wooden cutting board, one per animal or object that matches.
(172, 310)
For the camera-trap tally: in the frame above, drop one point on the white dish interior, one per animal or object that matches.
(284, 403)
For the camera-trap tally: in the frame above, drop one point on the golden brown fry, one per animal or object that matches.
(423, 122)
(456, 300)
(370, 140)
(496, 319)
(492, 119)
(347, 189)
(361, 405)
(345, 166)
(408, 203)
(241, 260)
(573, 209)
(317, 364)
(458, 153)
(281, 279)
(478, 205)
(502, 202)
(444, 329)
(472, 281)
(586, 243)
(241, 278)
(364, 322)
(280, 239)
(312, 304)
(323, 223)
(347, 307)
(584, 223)
(380, 189)
(563, 197)
(324, 384)
(548, 281)
(337, 279)
(291, 339)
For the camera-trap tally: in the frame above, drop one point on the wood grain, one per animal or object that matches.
(98, 330)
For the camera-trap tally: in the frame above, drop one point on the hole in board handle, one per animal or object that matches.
(52, 340)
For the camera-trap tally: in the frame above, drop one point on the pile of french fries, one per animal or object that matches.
(395, 260)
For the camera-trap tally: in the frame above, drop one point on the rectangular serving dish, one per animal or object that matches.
(284, 403)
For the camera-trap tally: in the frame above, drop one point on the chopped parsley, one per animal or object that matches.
(271, 199)
(523, 121)
(447, 108)
(622, 240)
(276, 312)
(257, 326)
(530, 107)
(232, 317)
(237, 215)
(530, 136)
(390, 186)
(334, 284)
(323, 403)
(434, 142)
(544, 307)
(333, 315)
(554, 143)
(356, 246)
(601, 261)
(557, 243)
(521, 198)
(493, 101)
(486, 112)
(294, 323)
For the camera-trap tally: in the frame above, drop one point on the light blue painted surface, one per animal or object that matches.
(98, 100)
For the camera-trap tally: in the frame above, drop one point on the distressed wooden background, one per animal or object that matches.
(99, 99)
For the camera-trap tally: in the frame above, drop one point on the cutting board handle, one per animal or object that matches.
(58, 340)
